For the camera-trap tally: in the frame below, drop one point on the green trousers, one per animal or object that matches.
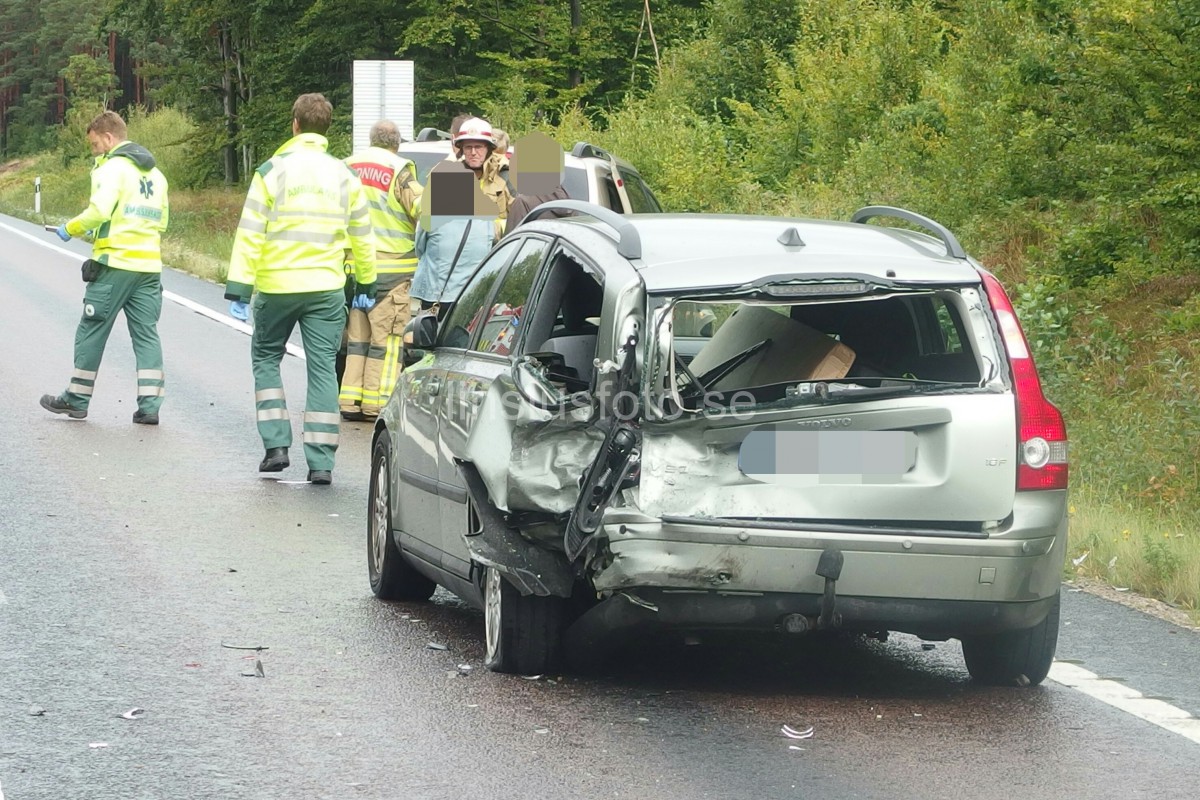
(322, 317)
(139, 295)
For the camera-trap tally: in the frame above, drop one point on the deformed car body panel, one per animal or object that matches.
(528, 458)
(692, 468)
(1014, 565)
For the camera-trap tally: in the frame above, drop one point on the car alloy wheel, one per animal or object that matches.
(379, 516)
(492, 609)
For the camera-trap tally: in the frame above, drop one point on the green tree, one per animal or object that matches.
(90, 80)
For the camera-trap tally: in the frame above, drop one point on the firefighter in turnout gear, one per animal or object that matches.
(304, 210)
(375, 333)
(475, 143)
(125, 218)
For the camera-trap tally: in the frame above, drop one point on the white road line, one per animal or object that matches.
(1126, 699)
(202, 310)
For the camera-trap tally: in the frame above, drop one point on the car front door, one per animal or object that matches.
(468, 382)
(421, 386)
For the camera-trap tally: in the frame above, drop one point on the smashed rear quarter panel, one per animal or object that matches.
(529, 459)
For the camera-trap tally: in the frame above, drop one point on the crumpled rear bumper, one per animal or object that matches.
(709, 574)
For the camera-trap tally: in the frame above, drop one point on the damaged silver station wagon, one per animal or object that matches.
(700, 422)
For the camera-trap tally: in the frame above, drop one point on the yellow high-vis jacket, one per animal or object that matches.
(304, 213)
(127, 210)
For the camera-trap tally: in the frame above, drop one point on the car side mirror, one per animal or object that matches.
(421, 331)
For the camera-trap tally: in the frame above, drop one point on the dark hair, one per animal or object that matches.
(313, 112)
(108, 122)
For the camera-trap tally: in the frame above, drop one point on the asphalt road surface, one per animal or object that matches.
(130, 556)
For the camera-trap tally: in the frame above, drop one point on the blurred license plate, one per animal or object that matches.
(766, 454)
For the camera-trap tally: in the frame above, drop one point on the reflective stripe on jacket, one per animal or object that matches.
(304, 211)
(127, 210)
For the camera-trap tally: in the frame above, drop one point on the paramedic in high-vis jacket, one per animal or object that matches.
(125, 219)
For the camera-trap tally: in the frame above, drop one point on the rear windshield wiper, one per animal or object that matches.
(729, 365)
(821, 391)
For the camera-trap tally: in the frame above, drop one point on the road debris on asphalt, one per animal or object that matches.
(794, 747)
(532, 677)
(542, 730)
(97, 745)
(436, 646)
(793, 733)
(133, 713)
(243, 647)
(37, 711)
(928, 645)
(258, 670)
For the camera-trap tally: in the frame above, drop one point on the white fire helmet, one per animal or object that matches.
(475, 130)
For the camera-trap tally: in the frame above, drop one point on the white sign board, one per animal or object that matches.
(382, 90)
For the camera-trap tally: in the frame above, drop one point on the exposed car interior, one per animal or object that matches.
(567, 320)
(900, 341)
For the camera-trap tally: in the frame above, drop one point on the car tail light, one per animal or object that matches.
(1041, 432)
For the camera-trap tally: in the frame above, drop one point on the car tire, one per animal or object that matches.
(1015, 658)
(522, 633)
(392, 578)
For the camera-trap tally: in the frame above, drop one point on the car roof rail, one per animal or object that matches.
(629, 241)
(588, 150)
(431, 135)
(953, 248)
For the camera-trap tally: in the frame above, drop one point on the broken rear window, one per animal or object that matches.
(919, 341)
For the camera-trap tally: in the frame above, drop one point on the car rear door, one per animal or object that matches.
(423, 387)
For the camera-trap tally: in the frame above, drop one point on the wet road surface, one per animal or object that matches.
(129, 556)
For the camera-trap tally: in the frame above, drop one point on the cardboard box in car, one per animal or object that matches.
(795, 353)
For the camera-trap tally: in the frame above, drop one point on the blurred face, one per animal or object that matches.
(474, 154)
(101, 143)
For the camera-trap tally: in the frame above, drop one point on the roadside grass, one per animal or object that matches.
(1151, 550)
(200, 236)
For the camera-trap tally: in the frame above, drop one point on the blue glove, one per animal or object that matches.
(239, 310)
(61, 230)
(363, 302)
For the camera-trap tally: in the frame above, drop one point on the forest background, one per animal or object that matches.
(1057, 138)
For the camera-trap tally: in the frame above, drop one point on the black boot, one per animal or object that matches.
(59, 406)
(276, 460)
(320, 477)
